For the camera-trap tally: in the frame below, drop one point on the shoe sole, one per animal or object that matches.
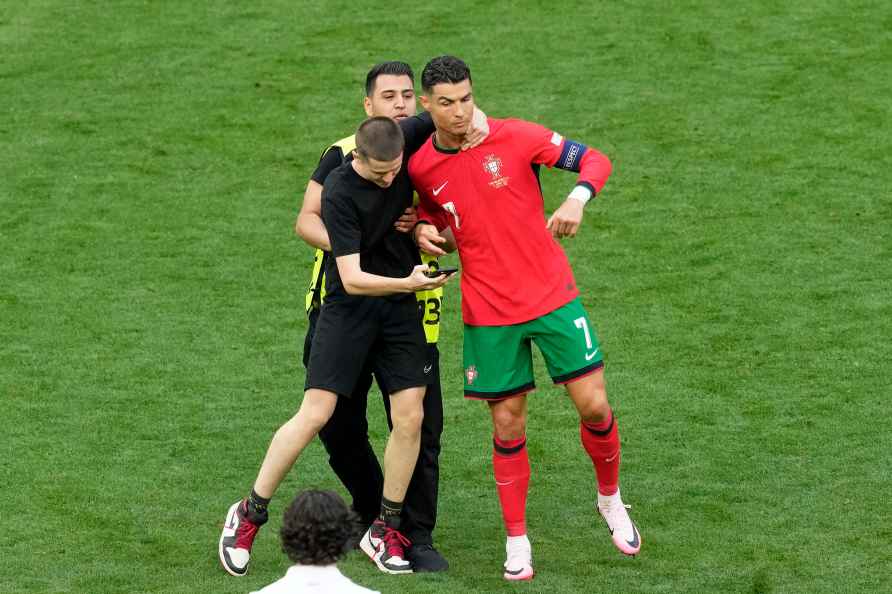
(232, 510)
(386, 569)
(521, 577)
(421, 569)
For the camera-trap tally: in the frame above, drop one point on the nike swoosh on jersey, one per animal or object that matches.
(440, 189)
(590, 356)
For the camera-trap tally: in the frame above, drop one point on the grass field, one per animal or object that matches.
(737, 266)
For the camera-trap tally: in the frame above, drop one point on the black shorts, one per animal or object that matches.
(387, 334)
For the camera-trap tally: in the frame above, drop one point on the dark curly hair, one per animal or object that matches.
(444, 69)
(318, 528)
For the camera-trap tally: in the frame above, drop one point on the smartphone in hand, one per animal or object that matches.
(435, 272)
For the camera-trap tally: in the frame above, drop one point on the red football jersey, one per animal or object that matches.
(513, 270)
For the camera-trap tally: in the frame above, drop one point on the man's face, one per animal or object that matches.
(378, 172)
(392, 97)
(451, 105)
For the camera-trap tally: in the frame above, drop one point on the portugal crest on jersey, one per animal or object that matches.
(493, 165)
(471, 374)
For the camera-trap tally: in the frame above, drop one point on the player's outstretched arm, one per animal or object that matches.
(358, 282)
(309, 225)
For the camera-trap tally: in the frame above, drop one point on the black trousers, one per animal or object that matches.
(350, 455)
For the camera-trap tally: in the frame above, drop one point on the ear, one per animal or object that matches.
(367, 105)
(425, 102)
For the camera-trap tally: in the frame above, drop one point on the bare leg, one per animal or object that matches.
(292, 437)
(589, 396)
(509, 417)
(401, 453)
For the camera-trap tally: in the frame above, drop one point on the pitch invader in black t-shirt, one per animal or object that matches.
(389, 91)
(369, 312)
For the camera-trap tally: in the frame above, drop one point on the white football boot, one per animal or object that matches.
(622, 528)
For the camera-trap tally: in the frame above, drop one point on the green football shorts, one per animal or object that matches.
(498, 360)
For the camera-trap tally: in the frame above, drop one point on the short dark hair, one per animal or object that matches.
(392, 68)
(379, 138)
(444, 69)
(318, 528)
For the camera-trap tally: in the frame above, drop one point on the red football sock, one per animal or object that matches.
(601, 441)
(511, 467)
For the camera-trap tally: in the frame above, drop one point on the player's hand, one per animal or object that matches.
(477, 131)
(566, 220)
(429, 240)
(406, 223)
(420, 281)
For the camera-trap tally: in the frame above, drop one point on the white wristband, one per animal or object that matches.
(581, 193)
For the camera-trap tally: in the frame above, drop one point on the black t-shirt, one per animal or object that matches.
(359, 215)
(332, 159)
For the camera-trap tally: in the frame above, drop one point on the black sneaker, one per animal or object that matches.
(237, 539)
(357, 531)
(424, 557)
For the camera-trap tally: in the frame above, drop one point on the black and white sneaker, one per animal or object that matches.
(237, 539)
(386, 547)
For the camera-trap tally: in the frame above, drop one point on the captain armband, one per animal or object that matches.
(571, 155)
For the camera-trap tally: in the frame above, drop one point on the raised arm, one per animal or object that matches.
(417, 129)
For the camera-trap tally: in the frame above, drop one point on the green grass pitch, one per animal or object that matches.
(737, 268)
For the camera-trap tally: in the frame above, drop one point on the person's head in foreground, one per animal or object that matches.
(378, 155)
(318, 528)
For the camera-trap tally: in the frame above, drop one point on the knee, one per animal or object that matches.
(509, 424)
(596, 408)
(312, 416)
(408, 421)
